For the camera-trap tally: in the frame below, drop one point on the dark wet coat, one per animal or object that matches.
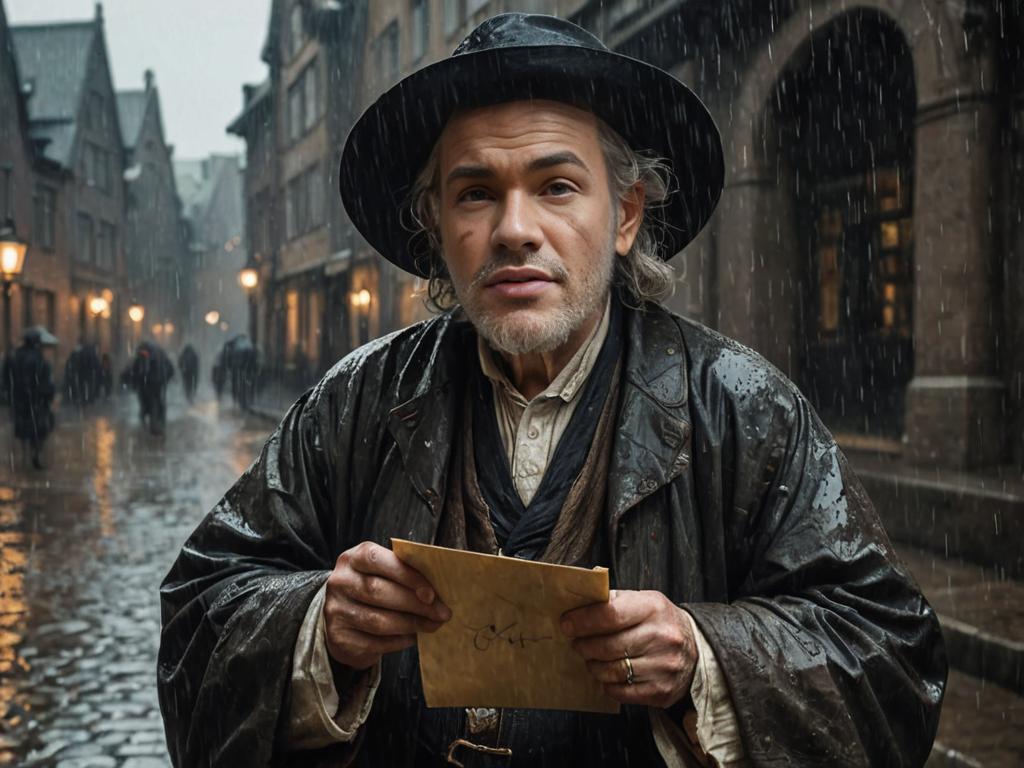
(725, 493)
(28, 379)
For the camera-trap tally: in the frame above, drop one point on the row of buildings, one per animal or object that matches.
(867, 242)
(88, 182)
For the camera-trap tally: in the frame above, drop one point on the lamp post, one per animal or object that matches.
(136, 313)
(250, 279)
(12, 255)
(361, 300)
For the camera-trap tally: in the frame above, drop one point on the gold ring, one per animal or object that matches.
(629, 670)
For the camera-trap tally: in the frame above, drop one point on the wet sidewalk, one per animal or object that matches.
(85, 544)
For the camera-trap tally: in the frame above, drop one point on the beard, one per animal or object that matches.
(527, 329)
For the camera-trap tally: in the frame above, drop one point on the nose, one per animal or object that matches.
(517, 227)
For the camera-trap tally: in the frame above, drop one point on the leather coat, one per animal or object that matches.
(726, 493)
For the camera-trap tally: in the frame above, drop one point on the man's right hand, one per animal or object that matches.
(375, 605)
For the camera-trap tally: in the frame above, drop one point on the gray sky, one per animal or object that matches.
(201, 51)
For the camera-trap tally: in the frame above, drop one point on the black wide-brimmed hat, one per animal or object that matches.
(513, 57)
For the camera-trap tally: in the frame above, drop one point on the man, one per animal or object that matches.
(148, 374)
(188, 364)
(759, 615)
(28, 378)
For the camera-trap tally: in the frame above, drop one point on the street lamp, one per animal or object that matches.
(136, 313)
(250, 278)
(99, 306)
(12, 255)
(361, 300)
(212, 317)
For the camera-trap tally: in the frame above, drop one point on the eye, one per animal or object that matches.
(560, 189)
(473, 195)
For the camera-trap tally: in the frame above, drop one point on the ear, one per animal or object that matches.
(631, 215)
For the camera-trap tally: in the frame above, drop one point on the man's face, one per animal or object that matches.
(528, 227)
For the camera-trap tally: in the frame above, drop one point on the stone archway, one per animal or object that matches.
(953, 403)
(839, 137)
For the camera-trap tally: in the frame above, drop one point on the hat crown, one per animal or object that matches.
(513, 30)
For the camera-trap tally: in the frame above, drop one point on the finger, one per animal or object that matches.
(378, 621)
(370, 558)
(381, 592)
(622, 611)
(359, 650)
(645, 669)
(634, 641)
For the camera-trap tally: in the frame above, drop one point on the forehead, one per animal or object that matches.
(518, 126)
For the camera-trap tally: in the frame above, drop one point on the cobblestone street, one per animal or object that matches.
(83, 547)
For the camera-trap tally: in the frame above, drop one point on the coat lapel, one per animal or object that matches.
(652, 443)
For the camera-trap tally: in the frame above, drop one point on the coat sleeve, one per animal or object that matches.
(234, 600)
(831, 654)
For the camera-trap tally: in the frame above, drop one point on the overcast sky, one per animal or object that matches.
(201, 51)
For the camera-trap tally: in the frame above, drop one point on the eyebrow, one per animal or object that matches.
(540, 163)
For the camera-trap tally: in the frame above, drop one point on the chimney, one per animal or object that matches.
(149, 80)
(247, 94)
(99, 13)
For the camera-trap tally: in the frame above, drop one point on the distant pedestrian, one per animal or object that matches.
(28, 381)
(188, 364)
(148, 374)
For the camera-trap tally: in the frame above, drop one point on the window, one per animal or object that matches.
(44, 215)
(95, 114)
(291, 327)
(452, 16)
(388, 54)
(296, 36)
(105, 245)
(85, 238)
(96, 166)
(312, 93)
(315, 184)
(420, 29)
(304, 108)
(304, 203)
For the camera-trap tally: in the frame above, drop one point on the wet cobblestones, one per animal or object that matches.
(83, 547)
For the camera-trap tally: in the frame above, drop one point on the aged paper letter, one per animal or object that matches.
(503, 646)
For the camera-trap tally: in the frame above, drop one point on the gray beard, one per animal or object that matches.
(525, 332)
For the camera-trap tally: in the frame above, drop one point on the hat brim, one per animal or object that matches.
(649, 108)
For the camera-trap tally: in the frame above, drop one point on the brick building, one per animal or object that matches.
(212, 198)
(157, 268)
(73, 123)
(34, 197)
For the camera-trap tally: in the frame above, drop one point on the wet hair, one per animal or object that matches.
(641, 274)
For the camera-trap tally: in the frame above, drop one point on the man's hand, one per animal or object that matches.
(647, 627)
(376, 604)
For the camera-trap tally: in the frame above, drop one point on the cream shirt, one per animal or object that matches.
(530, 431)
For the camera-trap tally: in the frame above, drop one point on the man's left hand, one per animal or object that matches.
(649, 630)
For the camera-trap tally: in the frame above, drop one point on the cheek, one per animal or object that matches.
(462, 250)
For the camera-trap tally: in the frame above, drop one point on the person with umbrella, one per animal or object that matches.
(28, 379)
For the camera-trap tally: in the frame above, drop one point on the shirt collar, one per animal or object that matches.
(569, 380)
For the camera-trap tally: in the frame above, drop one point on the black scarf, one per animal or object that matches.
(524, 531)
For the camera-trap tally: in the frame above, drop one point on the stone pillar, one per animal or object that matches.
(757, 280)
(954, 404)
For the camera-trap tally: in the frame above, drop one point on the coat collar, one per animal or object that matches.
(652, 439)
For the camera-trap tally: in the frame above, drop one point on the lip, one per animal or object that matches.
(516, 275)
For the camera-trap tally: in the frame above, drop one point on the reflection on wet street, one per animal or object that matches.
(83, 547)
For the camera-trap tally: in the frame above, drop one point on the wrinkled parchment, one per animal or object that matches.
(503, 646)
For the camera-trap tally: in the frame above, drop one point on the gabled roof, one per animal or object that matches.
(131, 112)
(254, 95)
(9, 69)
(53, 62)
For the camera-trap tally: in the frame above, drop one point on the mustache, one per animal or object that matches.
(550, 264)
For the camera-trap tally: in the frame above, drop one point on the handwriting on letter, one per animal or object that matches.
(485, 637)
